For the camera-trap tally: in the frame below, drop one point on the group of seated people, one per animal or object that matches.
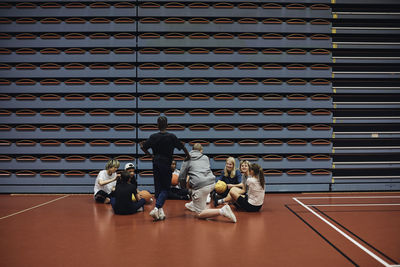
(245, 186)
(118, 190)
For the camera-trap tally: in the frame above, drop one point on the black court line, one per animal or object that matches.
(323, 237)
(355, 235)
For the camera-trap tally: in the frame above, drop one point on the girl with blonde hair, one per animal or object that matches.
(231, 176)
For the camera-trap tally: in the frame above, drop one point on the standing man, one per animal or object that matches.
(162, 145)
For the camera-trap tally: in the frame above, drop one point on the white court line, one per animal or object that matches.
(347, 197)
(34, 207)
(351, 205)
(344, 234)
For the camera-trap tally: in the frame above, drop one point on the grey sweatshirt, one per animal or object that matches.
(198, 169)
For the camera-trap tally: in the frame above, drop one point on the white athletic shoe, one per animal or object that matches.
(154, 213)
(228, 213)
(140, 209)
(161, 214)
(189, 206)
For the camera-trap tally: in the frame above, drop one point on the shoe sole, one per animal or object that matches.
(231, 214)
(155, 217)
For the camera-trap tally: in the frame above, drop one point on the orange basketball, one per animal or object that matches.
(174, 180)
(146, 196)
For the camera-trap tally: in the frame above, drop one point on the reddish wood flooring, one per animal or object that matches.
(74, 231)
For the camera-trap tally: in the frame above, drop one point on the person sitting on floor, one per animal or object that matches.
(105, 182)
(121, 201)
(176, 192)
(244, 167)
(231, 176)
(253, 200)
(202, 182)
(130, 168)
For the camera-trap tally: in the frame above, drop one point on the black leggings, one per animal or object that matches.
(243, 203)
(133, 207)
(178, 193)
(220, 196)
(101, 196)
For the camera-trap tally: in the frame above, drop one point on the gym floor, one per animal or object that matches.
(343, 229)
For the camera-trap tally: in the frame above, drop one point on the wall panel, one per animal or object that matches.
(309, 90)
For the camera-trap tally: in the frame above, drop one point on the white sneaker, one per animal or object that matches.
(228, 213)
(208, 199)
(140, 209)
(161, 214)
(154, 213)
(189, 206)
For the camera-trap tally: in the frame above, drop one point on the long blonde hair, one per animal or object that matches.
(233, 172)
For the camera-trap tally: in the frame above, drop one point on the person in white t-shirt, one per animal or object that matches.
(253, 200)
(105, 182)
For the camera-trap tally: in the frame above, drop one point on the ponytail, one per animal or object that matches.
(258, 171)
(261, 178)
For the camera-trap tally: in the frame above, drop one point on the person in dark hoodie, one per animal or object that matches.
(201, 181)
(122, 201)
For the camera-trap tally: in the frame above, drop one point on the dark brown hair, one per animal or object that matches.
(258, 171)
(125, 176)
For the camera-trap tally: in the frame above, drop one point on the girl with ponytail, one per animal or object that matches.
(253, 200)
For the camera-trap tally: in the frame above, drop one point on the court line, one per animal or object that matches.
(323, 237)
(343, 234)
(346, 193)
(34, 207)
(351, 205)
(358, 237)
(348, 197)
(33, 194)
(50, 194)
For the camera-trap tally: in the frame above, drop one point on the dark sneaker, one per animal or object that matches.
(215, 199)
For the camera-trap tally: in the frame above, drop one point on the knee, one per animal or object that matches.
(235, 194)
(200, 215)
(233, 191)
(99, 199)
